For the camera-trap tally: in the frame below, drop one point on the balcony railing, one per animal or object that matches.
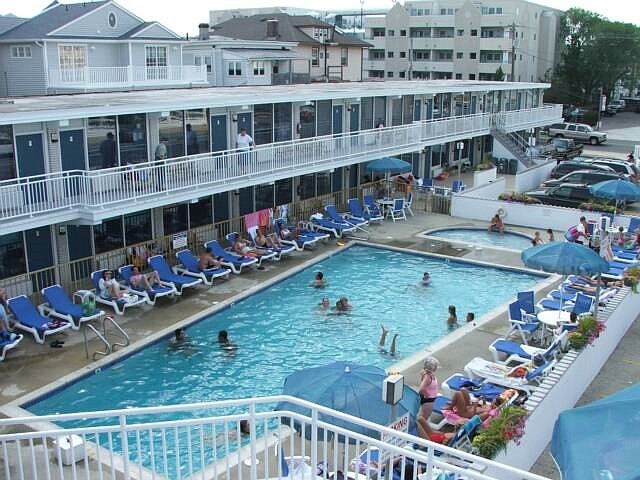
(92, 195)
(104, 77)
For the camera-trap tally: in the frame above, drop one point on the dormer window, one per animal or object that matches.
(113, 20)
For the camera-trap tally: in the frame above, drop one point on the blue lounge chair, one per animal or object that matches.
(371, 206)
(524, 324)
(235, 262)
(427, 185)
(457, 186)
(396, 212)
(508, 351)
(634, 224)
(8, 340)
(306, 238)
(119, 305)
(61, 306)
(477, 388)
(162, 290)
(189, 266)
(160, 265)
(356, 211)
(339, 218)
(408, 202)
(583, 304)
(527, 302)
(28, 319)
(270, 255)
(280, 252)
(318, 222)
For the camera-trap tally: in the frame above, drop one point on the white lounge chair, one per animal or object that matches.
(8, 341)
(507, 351)
(498, 374)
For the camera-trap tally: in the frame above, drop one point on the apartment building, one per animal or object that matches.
(463, 40)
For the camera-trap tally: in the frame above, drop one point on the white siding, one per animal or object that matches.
(97, 24)
(22, 76)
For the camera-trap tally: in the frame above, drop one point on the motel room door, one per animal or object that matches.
(72, 155)
(30, 155)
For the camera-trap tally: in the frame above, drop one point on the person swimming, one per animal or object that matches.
(224, 342)
(383, 339)
(318, 281)
(426, 279)
(324, 305)
(452, 321)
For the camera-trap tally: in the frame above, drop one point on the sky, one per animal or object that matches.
(183, 17)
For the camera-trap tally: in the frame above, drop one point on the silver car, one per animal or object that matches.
(578, 131)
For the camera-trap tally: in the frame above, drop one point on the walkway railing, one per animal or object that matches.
(91, 195)
(205, 440)
(126, 76)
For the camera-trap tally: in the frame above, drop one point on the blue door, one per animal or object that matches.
(219, 133)
(72, 157)
(30, 155)
(79, 242)
(337, 119)
(39, 251)
(354, 118)
(245, 120)
(417, 110)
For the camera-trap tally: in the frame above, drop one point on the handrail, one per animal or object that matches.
(100, 337)
(109, 319)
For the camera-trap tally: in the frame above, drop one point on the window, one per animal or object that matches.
(377, 32)
(403, 54)
(315, 55)
(520, 57)
(389, 74)
(108, 235)
(472, 76)
(421, 12)
(156, 62)
(534, 36)
(72, 60)
(391, 33)
(12, 255)
(234, 69)
(458, 76)
(389, 54)
(344, 56)
(473, 55)
(401, 74)
(137, 227)
(200, 213)
(282, 121)
(112, 20)
(132, 138)
(403, 33)
(498, 10)
(443, 11)
(263, 123)
(492, 11)
(7, 160)
(197, 126)
(175, 218)
(101, 142)
(474, 33)
(203, 60)
(460, 32)
(258, 68)
(21, 52)
(171, 128)
(459, 55)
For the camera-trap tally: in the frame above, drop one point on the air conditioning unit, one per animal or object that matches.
(604, 223)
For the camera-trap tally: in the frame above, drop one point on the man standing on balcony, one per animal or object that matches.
(108, 151)
(192, 141)
(159, 155)
(244, 143)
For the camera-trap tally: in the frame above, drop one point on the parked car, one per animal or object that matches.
(562, 148)
(578, 131)
(585, 177)
(628, 170)
(569, 166)
(565, 195)
(618, 105)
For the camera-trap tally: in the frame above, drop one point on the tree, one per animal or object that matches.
(499, 74)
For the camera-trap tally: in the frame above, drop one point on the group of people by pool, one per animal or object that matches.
(180, 340)
(496, 224)
(342, 305)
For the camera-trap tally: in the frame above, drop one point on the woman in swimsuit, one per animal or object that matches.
(425, 431)
(428, 386)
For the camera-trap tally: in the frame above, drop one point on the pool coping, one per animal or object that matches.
(18, 407)
(427, 235)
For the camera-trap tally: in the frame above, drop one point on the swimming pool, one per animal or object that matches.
(480, 236)
(279, 330)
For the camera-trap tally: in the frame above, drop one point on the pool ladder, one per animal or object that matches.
(103, 337)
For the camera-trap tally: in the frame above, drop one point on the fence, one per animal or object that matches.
(206, 441)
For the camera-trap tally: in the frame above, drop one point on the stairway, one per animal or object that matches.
(516, 145)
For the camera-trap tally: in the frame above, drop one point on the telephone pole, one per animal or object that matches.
(513, 52)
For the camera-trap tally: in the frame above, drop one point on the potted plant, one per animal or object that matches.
(631, 278)
(507, 426)
(587, 331)
(597, 207)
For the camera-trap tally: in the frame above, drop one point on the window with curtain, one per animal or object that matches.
(101, 142)
(171, 128)
(108, 236)
(132, 138)
(7, 153)
(137, 227)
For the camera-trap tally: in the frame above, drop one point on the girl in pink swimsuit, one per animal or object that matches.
(428, 386)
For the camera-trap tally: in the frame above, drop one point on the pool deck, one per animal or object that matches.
(32, 366)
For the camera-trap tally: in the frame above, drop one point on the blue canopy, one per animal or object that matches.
(565, 258)
(388, 164)
(600, 440)
(349, 388)
(618, 190)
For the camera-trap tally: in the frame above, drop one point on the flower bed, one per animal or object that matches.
(597, 207)
(516, 197)
(588, 330)
(631, 278)
(506, 427)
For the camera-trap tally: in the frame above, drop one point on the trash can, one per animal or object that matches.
(71, 449)
(501, 163)
(513, 166)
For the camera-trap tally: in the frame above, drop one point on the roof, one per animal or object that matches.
(60, 107)
(7, 22)
(265, 54)
(50, 19)
(289, 29)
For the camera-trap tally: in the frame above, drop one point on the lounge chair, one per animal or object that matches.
(507, 351)
(427, 185)
(522, 323)
(189, 266)
(61, 306)
(119, 305)
(527, 302)
(270, 255)
(160, 265)
(356, 211)
(372, 206)
(318, 222)
(582, 303)
(339, 218)
(294, 467)
(621, 254)
(396, 212)
(457, 186)
(477, 388)
(634, 224)
(235, 262)
(283, 251)
(408, 203)
(163, 290)
(306, 238)
(8, 341)
(498, 374)
(28, 319)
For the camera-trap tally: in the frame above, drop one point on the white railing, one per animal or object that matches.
(126, 76)
(89, 191)
(205, 441)
(530, 117)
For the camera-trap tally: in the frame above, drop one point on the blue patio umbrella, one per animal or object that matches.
(600, 440)
(349, 388)
(619, 190)
(565, 258)
(387, 166)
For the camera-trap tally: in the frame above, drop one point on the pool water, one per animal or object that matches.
(513, 241)
(279, 330)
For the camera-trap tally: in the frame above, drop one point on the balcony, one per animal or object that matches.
(88, 197)
(126, 77)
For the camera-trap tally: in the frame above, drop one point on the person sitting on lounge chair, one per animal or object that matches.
(287, 234)
(273, 241)
(140, 280)
(5, 331)
(604, 282)
(261, 239)
(241, 247)
(589, 289)
(496, 224)
(207, 260)
(461, 406)
(109, 288)
(425, 431)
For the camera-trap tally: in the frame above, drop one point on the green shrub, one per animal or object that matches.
(507, 426)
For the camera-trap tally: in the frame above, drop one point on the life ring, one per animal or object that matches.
(502, 213)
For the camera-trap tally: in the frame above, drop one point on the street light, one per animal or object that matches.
(460, 148)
